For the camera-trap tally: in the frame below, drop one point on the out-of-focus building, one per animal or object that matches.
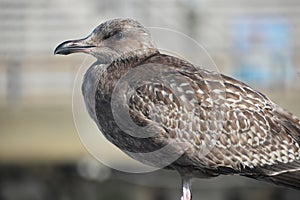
(254, 41)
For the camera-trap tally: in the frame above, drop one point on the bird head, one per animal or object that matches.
(111, 40)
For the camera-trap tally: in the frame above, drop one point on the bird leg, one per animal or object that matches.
(186, 192)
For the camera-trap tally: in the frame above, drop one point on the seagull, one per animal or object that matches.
(211, 123)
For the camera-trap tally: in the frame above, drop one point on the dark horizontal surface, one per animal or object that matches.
(69, 181)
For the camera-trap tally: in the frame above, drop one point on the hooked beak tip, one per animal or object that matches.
(72, 46)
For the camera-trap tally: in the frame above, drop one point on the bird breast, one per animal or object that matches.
(89, 87)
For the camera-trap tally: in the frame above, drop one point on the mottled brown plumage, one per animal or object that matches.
(215, 123)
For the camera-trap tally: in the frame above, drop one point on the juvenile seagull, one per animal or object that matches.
(218, 124)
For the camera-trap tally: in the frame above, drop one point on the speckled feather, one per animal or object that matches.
(220, 125)
(252, 131)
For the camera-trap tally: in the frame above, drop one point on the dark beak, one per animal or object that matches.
(73, 46)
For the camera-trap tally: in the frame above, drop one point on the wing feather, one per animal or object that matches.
(251, 135)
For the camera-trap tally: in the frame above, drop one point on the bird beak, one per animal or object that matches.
(73, 46)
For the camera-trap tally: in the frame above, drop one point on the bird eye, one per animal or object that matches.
(116, 35)
(106, 37)
(119, 35)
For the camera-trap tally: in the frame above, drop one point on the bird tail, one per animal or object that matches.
(289, 179)
(285, 175)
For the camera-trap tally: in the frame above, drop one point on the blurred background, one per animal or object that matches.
(41, 156)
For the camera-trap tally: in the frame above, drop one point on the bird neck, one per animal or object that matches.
(106, 75)
(134, 57)
(129, 60)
